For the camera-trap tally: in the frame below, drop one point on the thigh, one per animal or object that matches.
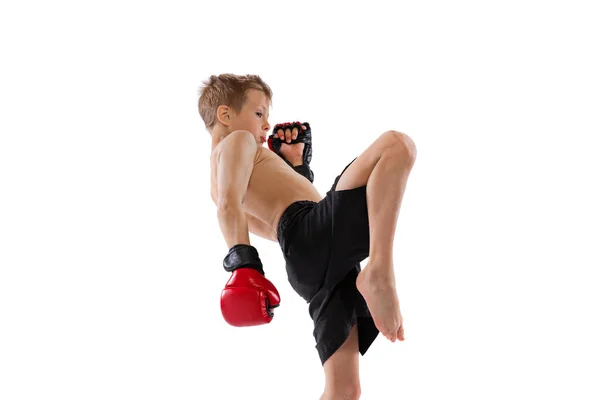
(357, 174)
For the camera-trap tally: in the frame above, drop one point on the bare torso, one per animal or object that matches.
(272, 188)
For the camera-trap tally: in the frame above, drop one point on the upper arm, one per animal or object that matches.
(235, 162)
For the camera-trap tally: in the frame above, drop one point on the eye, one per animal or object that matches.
(259, 114)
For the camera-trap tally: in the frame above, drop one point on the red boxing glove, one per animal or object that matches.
(248, 297)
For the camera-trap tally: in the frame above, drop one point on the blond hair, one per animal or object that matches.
(229, 90)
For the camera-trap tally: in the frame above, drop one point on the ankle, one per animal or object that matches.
(380, 260)
(375, 280)
(379, 270)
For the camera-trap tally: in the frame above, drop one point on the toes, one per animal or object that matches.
(393, 334)
(400, 333)
(389, 335)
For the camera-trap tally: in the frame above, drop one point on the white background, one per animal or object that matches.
(111, 253)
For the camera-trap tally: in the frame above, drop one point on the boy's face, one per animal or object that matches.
(253, 117)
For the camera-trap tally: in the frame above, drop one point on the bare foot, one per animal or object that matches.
(380, 294)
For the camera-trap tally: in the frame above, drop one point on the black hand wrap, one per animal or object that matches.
(305, 171)
(242, 256)
(304, 136)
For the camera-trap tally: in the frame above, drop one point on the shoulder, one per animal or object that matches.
(236, 142)
(240, 137)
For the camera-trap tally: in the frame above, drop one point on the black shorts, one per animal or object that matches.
(323, 244)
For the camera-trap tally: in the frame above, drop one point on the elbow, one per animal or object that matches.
(230, 212)
(228, 204)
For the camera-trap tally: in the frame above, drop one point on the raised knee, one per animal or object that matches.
(401, 142)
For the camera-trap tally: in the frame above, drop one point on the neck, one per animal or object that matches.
(218, 134)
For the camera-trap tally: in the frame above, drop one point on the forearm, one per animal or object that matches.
(234, 225)
(259, 228)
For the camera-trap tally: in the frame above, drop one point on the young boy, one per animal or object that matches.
(323, 239)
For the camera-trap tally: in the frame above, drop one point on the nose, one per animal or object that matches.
(267, 127)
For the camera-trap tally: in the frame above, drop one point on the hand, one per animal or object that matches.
(293, 152)
(248, 298)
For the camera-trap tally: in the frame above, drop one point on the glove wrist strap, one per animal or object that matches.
(242, 256)
(305, 171)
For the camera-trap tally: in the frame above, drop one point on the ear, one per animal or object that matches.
(224, 115)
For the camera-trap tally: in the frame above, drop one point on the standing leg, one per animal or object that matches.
(342, 379)
(384, 168)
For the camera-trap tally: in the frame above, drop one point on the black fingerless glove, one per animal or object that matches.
(304, 136)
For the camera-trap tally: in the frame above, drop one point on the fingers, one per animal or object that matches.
(288, 134)
(281, 134)
(285, 136)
